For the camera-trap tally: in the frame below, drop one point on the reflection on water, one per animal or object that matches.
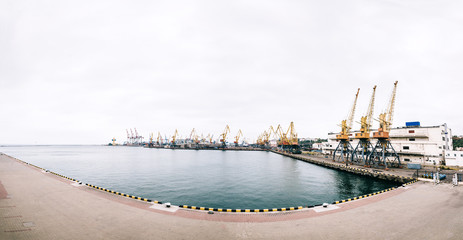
(225, 179)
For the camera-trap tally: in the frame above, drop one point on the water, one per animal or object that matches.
(218, 179)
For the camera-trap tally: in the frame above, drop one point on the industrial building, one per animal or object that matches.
(414, 143)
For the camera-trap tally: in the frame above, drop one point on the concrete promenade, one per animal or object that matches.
(39, 205)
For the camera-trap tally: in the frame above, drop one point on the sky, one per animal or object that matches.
(82, 72)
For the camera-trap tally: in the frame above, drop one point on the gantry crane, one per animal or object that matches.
(267, 135)
(364, 147)
(174, 138)
(132, 137)
(344, 150)
(260, 140)
(223, 136)
(194, 136)
(159, 141)
(282, 139)
(128, 136)
(237, 138)
(150, 144)
(292, 136)
(383, 153)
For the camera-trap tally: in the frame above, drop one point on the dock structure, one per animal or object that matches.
(35, 204)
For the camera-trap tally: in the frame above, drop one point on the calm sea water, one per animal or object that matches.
(221, 179)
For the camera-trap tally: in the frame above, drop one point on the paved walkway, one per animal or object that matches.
(38, 205)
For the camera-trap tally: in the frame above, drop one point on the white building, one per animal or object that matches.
(454, 158)
(417, 144)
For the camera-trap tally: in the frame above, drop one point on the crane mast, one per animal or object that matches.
(364, 147)
(344, 150)
(365, 121)
(237, 138)
(174, 137)
(346, 125)
(223, 136)
(383, 153)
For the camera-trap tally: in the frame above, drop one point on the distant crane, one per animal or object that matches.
(288, 140)
(174, 138)
(266, 136)
(344, 147)
(237, 138)
(282, 139)
(193, 136)
(114, 141)
(159, 140)
(151, 140)
(383, 153)
(223, 136)
(128, 136)
(364, 147)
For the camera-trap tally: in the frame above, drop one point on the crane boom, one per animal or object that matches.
(365, 121)
(174, 138)
(224, 134)
(370, 110)
(390, 111)
(352, 112)
(237, 138)
(346, 125)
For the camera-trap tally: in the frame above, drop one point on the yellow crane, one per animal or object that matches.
(237, 137)
(344, 147)
(151, 140)
(383, 153)
(159, 140)
(174, 137)
(291, 135)
(267, 135)
(282, 139)
(259, 140)
(223, 136)
(194, 136)
(364, 147)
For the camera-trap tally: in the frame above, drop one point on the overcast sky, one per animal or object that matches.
(81, 72)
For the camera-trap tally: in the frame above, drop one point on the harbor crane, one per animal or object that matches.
(151, 140)
(266, 136)
(260, 140)
(128, 136)
(288, 140)
(194, 136)
(174, 138)
(237, 138)
(159, 140)
(223, 136)
(344, 147)
(364, 147)
(132, 137)
(383, 153)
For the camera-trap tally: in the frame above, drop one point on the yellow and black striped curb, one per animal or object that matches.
(372, 194)
(123, 194)
(247, 210)
(359, 171)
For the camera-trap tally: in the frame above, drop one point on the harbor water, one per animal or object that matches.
(206, 178)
